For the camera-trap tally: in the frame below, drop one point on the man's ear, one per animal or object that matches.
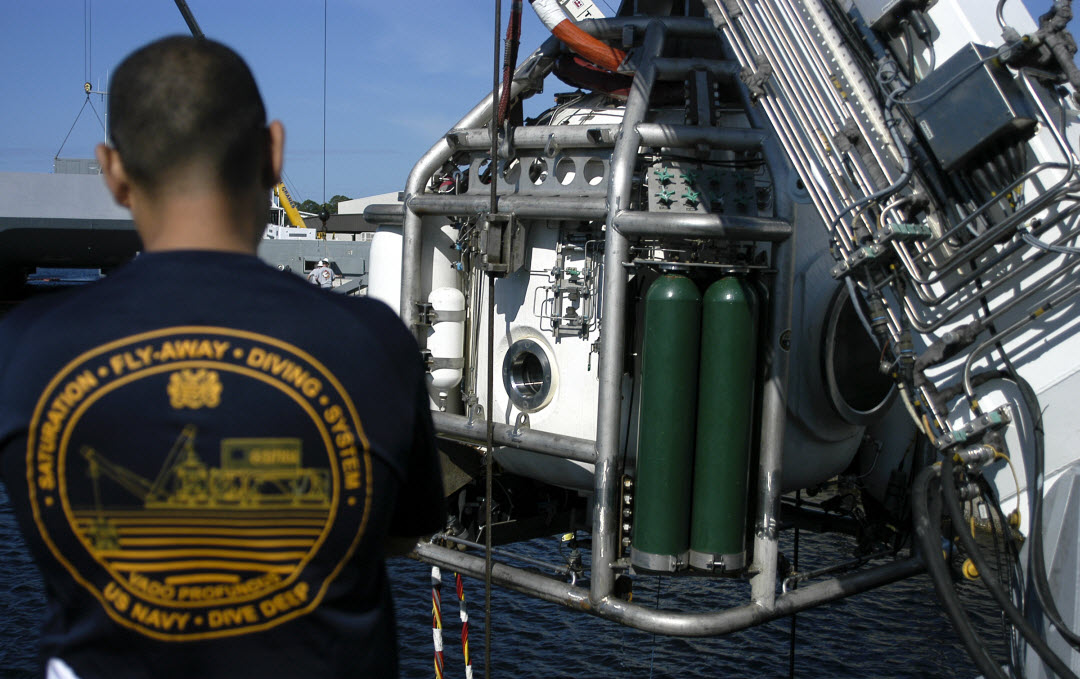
(276, 156)
(112, 169)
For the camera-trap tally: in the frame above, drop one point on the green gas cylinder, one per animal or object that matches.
(724, 425)
(668, 406)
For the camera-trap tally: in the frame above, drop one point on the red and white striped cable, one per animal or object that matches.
(464, 626)
(436, 620)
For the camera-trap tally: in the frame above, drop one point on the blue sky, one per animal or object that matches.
(398, 76)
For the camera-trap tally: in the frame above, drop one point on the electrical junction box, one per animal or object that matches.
(965, 107)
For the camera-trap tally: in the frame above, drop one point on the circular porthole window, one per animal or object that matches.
(527, 375)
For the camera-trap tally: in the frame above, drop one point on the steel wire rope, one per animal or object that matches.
(1015, 616)
(510, 53)
(85, 102)
(324, 106)
(488, 486)
(490, 453)
(795, 585)
(97, 115)
(652, 645)
(88, 38)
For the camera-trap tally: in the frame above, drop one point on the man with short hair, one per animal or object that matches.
(207, 479)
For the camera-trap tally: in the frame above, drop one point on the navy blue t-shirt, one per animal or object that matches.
(206, 457)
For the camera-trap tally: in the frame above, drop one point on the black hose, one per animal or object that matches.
(1012, 544)
(1037, 570)
(1011, 572)
(908, 38)
(929, 537)
(1030, 634)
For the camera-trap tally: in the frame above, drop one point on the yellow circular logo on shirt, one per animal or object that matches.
(200, 482)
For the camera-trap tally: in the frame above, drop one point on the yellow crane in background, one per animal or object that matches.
(287, 204)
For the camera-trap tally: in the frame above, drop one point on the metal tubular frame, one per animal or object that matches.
(528, 75)
(533, 207)
(653, 134)
(621, 222)
(613, 322)
(537, 137)
(710, 225)
(555, 445)
(675, 623)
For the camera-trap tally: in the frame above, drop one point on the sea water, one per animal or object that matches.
(895, 631)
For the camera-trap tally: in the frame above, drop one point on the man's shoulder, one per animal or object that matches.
(39, 310)
(379, 319)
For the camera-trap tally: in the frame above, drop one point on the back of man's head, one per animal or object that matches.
(182, 103)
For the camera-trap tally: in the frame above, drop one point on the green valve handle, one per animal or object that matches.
(692, 196)
(664, 175)
(689, 177)
(666, 196)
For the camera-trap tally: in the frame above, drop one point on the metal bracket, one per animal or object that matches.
(425, 315)
(522, 422)
(551, 147)
(860, 257)
(502, 244)
(443, 363)
(755, 78)
(974, 430)
(902, 232)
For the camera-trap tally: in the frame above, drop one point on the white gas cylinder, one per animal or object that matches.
(446, 340)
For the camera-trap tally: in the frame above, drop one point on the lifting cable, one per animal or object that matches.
(72, 128)
(652, 649)
(324, 106)
(488, 490)
(490, 447)
(795, 569)
(510, 54)
(88, 39)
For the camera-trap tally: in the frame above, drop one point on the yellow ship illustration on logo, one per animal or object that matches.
(255, 474)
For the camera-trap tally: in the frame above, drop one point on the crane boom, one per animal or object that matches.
(132, 482)
(287, 204)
